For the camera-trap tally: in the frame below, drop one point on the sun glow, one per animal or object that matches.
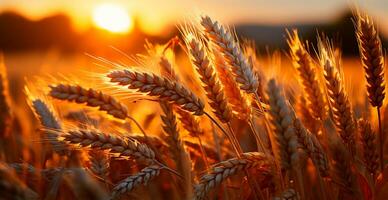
(113, 18)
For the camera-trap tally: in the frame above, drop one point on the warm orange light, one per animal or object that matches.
(113, 18)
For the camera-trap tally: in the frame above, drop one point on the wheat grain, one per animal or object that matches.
(222, 170)
(163, 88)
(134, 181)
(225, 43)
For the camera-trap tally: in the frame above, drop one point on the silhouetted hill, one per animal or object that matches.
(18, 32)
(341, 30)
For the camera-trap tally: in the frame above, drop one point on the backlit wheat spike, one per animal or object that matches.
(338, 98)
(307, 72)
(210, 83)
(93, 98)
(369, 146)
(134, 181)
(372, 58)
(154, 85)
(223, 40)
(124, 147)
(5, 109)
(99, 163)
(313, 148)
(48, 120)
(288, 194)
(240, 103)
(223, 170)
(282, 119)
(190, 123)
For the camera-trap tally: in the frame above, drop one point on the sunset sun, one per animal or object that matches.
(113, 18)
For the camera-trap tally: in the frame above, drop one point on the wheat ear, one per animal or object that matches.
(307, 72)
(222, 170)
(338, 98)
(223, 40)
(134, 181)
(312, 146)
(369, 146)
(282, 119)
(238, 101)
(211, 85)
(49, 121)
(372, 60)
(124, 147)
(99, 163)
(154, 85)
(92, 98)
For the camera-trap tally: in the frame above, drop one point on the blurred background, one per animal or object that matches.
(53, 35)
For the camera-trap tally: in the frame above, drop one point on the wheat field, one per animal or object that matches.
(203, 116)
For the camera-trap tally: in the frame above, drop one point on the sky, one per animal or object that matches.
(156, 15)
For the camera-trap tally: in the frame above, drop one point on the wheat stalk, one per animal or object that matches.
(134, 181)
(307, 72)
(163, 88)
(282, 119)
(211, 85)
(225, 43)
(338, 98)
(369, 146)
(222, 170)
(124, 147)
